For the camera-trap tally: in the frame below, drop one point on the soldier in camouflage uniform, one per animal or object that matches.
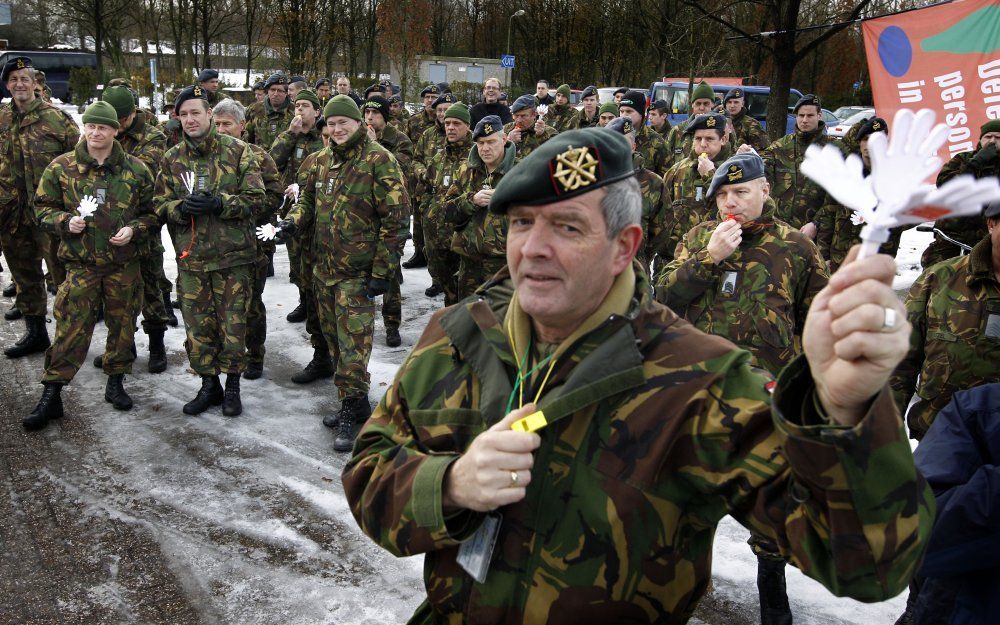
(746, 129)
(101, 256)
(32, 134)
(837, 228)
(213, 226)
(797, 197)
(480, 237)
(209, 79)
(983, 162)
(528, 130)
(657, 117)
(431, 141)
(146, 114)
(679, 141)
(954, 308)
(147, 144)
(685, 186)
(172, 129)
(229, 119)
(416, 125)
(561, 115)
(648, 142)
(650, 431)
(324, 90)
(397, 114)
(289, 150)
(377, 114)
(354, 200)
(606, 113)
(441, 172)
(274, 116)
(590, 114)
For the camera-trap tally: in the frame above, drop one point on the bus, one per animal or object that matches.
(56, 64)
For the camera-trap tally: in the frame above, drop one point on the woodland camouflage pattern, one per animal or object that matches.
(529, 139)
(680, 144)
(418, 123)
(954, 308)
(746, 129)
(265, 125)
(289, 151)
(256, 332)
(394, 139)
(440, 174)
(798, 198)
(654, 150)
(777, 270)
(657, 218)
(635, 479)
(968, 230)
(836, 233)
(562, 118)
(685, 192)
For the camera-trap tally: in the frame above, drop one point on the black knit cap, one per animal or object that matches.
(635, 100)
(377, 103)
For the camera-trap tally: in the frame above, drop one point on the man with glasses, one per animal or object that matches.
(491, 104)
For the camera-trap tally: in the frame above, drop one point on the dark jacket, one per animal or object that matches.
(483, 109)
(960, 457)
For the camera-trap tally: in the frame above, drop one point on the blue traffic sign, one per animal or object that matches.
(507, 61)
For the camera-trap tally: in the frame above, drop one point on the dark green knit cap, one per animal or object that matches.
(703, 92)
(991, 126)
(459, 110)
(608, 107)
(564, 90)
(121, 98)
(101, 113)
(309, 95)
(343, 105)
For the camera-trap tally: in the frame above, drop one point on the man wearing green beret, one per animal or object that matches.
(678, 141)
(32, 134)
(148, 144)
(983, 162)
(289, 150)
(441, 172)
(99, 200)
(562, 447)
(528, 130)
(355, 206)
(561, 115)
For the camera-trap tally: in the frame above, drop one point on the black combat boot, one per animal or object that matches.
(270, 268)
(114, 392)
(10, 290)
(171, 317)
(231, 404)
(774, 608)
(99, 360)
(321, 366)
(13, 314)
(298, 314)
(416, 262)
(49, 407)
(35, 339)
(353, 410)
(210, 395)
(392, 338)
(433, 290)
(254, 370)
(157, 352)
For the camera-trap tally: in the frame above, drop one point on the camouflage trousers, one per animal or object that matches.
(347, 318)
(154, 284)
(442, 263)
(56, 273)
(75, 312)
(214, 305)
(295, 262)
(257, 314)
(418, 232)
(24, 247)
(392, 302)
(474, 272)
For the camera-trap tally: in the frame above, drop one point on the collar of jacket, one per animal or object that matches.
(462, 145)
(354, 144)
(602, 363)
(764, 222)
(506, 163)
(559, 109)
(207, 145)
(720, 158)
(739, 116)
(138, 126)
(981, 261)
(32, 107)
(807, 138)
(313, 134)
(270, 110)
(86, 162)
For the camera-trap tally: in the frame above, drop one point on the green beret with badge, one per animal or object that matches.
(737, 170)
(487, 127)
(195, 92)
(569, 164)
(712, 121)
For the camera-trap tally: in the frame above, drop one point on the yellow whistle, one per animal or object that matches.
(533, 422)
(704, 154)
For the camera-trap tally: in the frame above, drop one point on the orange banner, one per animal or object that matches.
(946, 58)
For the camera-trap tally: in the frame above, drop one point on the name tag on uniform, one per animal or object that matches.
(699, 192)
(993, 326)
(728, 283)
(101, 193)
(274, 127)
(446, 181)
(329, 185)
(298, 152)
(202, 182)
(475, 553)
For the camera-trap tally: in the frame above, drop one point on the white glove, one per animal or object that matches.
(266, 232)
(88, 204)
(857, 218)
(903, 162)
(842, 179)
(293, 191)
(959, 197)
(542, 109)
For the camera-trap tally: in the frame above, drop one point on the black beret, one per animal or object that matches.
(621, 125)
(321, 82)
(992, 210)
(18, 62)
(570, 164)
(526, 101)
(296, 79)
(429, 90)
(444, 87)
(395, 99)
(620, 90)
(635, 100)
(738, 169)
(807, 99)
(376, 103)
(375, 88)
(871, 126)
(588, 91)
(659, 105)
(732, 94)
(710, 121)
(487, 126)
(208, 74)
(258, 85)
(445, 98)
(194, 92)
(275, 79)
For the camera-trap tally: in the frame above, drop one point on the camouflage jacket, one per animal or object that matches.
(274, 187)
(684, 192)
(147, 143)
(968, 230)
(656, 217)
(562, 118)
(954, 308)
(748, 130)
(529, 139)
(653, 148)
(29, 141)
(355, 204)
(123, 188)
(399, 122)
(426, 147)
(798, 198)
(148, 116)
(758, 297)
(479, 233)
(418, 123)
(290, 149)
(656, 432)
(214, 97)
(441, 172)
(174, 133)
(265, 126)
(680, 144)
(836, 233)
(588, 123)
(255, 109)
(222, 166)
(396, 141)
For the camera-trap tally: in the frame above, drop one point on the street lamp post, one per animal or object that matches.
(510, 23)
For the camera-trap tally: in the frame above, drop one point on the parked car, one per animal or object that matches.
(839, 130)
(829, 118)
(607, 94)
(676, 96)
(846, 111)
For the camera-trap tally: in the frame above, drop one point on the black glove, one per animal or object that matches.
(456, 217)
(984, 157)
(204, 204)
(286, 231)
(192, 205)
(376, 287)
